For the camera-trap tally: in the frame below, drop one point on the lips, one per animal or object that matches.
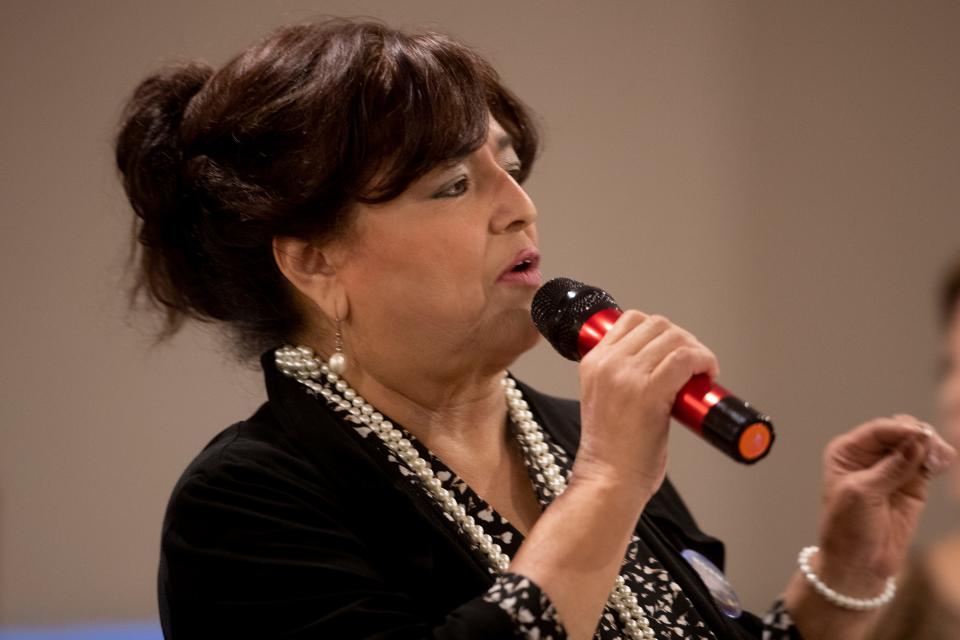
(523, 269)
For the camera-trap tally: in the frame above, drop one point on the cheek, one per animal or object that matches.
(416, 274)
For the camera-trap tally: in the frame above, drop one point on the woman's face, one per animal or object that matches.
(950, 393)
(443, 275)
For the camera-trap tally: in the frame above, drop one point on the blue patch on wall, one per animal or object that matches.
(120, 631)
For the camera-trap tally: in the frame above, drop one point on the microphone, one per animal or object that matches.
(574, 316)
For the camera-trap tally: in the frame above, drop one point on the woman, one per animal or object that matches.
(929, 607)
(355, 192)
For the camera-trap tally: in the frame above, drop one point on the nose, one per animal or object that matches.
(513, 209)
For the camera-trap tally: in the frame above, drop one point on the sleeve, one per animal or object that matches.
(529, 608)
(250, 553)
(777, 624)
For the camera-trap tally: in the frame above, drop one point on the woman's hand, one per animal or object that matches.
(875, 486)
(628, 384)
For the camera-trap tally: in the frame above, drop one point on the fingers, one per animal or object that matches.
(676, 369)
(882, 433)
(649, 355)
(657, 349)
(624, 325)
(897, 469)
(897, 454)
(878, 437)
(940, 455)
(875, 438)
(648, 340)
(642, 334)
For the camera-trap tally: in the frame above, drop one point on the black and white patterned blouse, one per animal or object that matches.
(670, 613)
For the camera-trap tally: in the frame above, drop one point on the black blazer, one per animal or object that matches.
(287, 526)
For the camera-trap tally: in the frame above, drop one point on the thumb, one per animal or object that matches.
(895, 469)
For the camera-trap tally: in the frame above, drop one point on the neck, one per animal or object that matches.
(464, 407)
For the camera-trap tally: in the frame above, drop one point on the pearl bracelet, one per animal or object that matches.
(840, 600)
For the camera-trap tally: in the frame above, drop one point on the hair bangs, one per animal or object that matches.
(950, 298)
(427, 102)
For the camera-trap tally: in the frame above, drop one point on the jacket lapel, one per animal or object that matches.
(362, 477)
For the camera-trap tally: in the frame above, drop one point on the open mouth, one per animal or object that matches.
(525, 269)
(523, 266)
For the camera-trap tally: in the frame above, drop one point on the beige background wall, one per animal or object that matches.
(779, 177)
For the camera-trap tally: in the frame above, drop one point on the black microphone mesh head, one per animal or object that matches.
(560, 308)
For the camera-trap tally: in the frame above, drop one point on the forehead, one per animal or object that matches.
(494, 129)
(497, 136)
(498, 140)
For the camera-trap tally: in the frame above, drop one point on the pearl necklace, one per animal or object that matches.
(300, 364)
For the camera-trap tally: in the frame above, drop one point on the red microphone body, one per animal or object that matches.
(574, 317)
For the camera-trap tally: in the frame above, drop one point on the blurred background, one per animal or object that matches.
(780, 178)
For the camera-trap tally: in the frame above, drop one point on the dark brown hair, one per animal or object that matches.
(281, 141)
(951, 294)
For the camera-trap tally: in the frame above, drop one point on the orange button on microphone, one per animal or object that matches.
(754, 441)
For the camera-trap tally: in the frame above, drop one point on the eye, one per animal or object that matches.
(458, 188)
(515, 171)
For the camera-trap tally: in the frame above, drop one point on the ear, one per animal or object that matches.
(308, 268)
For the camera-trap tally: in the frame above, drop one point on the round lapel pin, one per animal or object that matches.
(720, 588)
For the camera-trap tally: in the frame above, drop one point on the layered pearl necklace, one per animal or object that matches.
(300, 364)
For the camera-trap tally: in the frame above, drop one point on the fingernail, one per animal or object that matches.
(934, 464)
